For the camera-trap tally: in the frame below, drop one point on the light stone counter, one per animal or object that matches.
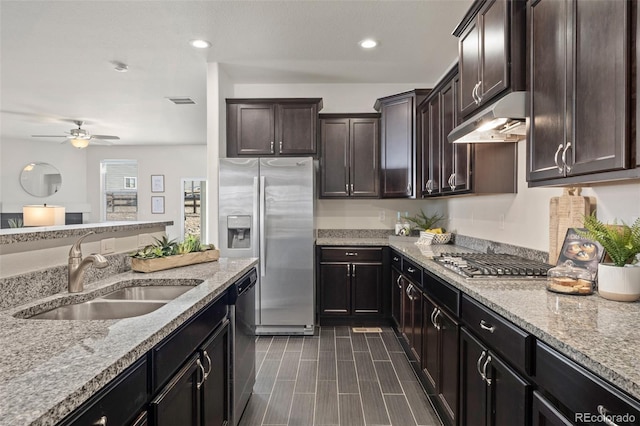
(49, 367)
(599, 334)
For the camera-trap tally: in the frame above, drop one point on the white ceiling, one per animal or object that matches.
(56, 57)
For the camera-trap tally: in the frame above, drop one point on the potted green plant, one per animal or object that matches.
(166, 254)
(619, 280)
(429, 234)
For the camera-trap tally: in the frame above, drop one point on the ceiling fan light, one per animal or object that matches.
(80, 142)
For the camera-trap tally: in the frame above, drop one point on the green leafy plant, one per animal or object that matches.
(15, 223)
(621, 242)
(423, 222)
(164, 247)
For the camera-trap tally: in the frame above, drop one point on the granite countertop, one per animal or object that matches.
(600, 334)
(49, 367)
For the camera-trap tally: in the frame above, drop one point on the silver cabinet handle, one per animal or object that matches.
(410, 270)
(484, 370)
(426, 186)
(102, 421)
(199, 385)
(409, 189)
(271, 149)
(478, 95)
(435, 319)
(280, 148)
(452, 181)
(348, 270)
(351, 188)
(263, 242)
(353, 271)
(564, 156)
(474, 94)
(555, 159)
(480, 358)
(346, 188)
(206, 355)
(408, 291)
(606, 417)
(430, 186)
(395, 258)
(351, 253)
(486, 326)
(398, 282)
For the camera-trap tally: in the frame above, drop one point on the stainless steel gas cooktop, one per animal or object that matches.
(485, 265)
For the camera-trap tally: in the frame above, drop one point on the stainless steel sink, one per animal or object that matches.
(100, 310)
(150, 292)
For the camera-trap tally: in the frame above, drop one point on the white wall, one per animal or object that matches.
(68, 160)
(174, 162)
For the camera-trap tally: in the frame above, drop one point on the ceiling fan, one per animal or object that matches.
(80, 138)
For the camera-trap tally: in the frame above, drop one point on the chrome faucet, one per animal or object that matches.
(78, 265)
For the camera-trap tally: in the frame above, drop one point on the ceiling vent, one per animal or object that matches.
(182, 101)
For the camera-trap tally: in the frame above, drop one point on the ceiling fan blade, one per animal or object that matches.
(105, 137)
(100, 142)
(48, 136)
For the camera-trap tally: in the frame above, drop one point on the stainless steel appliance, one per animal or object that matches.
(243, 321)
(266, 208)
(489, 265)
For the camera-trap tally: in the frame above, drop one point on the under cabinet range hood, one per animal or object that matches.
(502, 121)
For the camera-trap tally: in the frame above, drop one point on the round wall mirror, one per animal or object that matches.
(40, 179)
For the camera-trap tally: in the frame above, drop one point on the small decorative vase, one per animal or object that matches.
(619, 283)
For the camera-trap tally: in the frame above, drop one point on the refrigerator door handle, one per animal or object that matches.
(256, 215)
(263, 249)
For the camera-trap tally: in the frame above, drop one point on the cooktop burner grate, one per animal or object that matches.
(486, 265)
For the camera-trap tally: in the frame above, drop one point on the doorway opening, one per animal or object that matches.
(194, 192)
(119, 187)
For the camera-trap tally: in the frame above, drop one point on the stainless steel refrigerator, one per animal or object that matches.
(266, 210)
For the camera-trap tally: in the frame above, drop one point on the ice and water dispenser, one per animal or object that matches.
(239, 232)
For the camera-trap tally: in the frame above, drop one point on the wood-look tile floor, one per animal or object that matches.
(336, 378)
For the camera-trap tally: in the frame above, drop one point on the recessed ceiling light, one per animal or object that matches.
(200, 44)
(368, 43)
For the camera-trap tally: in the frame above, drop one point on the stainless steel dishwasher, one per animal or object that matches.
(243, 318)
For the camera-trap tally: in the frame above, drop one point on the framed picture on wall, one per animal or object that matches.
(157, 204)
(157, 183)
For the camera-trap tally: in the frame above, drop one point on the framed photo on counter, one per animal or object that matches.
(157, 204)
(157, 183)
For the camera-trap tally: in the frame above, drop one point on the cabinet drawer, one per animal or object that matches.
(580, 391)
(351, 254)
(412, 271)
(396, 260)
(169, 355)
(118, 402)
(443, 293)
(514, 344)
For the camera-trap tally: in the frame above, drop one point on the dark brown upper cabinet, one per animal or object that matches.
(399, 139)
(272, 127)
(581, 57)
(491, 49)
(350, 155)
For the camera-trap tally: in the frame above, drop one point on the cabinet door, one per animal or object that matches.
(473, 391)
(416, 322)
(461, 151)
(366, 288)
(449, 365)
(334, 288)
(430, 344)
(397, 148)
(255, 131)
(545, 414)
(469, 63)
(601, 71)
(215, 389)
(424, 124)
(435, 145)
(334, 171)
(407, 315)
(494, 49)
(180, 398)
(141, 420)
(296, 131)
(397, 290)
(364, 157)
(509, 395)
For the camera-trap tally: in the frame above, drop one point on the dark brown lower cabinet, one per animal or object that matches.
(216, 392)
(491, 393)
(440, 357)
(412, 317)
(543, 413)
(180, 398)
(141, 420)
(397, 291)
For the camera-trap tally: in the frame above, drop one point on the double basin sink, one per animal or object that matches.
(139, 298)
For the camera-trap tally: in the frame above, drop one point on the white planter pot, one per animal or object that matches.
(617, 283)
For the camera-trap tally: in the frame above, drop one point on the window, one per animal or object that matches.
(130, 182)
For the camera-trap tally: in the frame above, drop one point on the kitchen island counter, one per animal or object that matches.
(50, 367)
(599, 334)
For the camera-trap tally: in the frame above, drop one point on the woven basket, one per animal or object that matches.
(428, 238)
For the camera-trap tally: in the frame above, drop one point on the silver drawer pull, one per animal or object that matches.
(484, 370)
(398, 282)
(480, 358)
(555, 159)
(606, 417)
(410, 270)
(395, 259)
(206, 355)
(199, 385)
(351, 253)
(486, 326)
(102, 421)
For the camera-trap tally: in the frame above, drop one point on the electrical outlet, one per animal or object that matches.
(381, 216)
(108, 245)
(501, 221)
